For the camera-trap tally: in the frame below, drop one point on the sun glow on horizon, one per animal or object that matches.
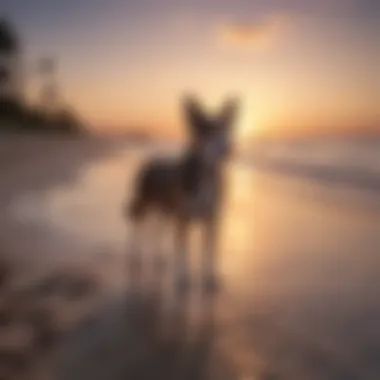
(248, 124)
(296, 69)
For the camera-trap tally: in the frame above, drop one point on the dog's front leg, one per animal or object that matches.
(159, 232)
(181, 254)
(209, 255)
(134, 254)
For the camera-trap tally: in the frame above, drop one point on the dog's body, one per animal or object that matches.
(189, 188)
(179, 188)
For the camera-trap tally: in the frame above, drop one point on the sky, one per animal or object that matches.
(297, 66)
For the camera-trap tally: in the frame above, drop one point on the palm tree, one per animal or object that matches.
(9, 49)
(8, 38)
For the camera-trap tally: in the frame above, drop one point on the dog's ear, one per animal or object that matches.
(228, 113)
(194, 114)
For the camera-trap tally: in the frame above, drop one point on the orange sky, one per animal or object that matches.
(297, 66)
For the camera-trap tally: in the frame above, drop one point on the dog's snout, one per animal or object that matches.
(218, 150)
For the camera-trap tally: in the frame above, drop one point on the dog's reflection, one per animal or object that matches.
(174, 332)
(195, 328)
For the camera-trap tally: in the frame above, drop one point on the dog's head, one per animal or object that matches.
(211, 136)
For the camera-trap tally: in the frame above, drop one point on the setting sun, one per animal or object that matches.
(248, 124)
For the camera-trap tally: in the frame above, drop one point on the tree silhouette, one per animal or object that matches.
(52, 116)
(9, 45)
(9, 42)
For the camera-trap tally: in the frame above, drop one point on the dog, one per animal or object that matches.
(189, 188)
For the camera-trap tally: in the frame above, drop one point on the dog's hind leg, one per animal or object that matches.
(210, 278)
(135, 239)
(156, 235)
(135, 212)
(182, 280)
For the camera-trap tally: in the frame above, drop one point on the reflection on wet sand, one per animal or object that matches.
(300, 267)
(145, 333)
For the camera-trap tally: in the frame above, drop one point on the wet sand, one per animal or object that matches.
(43, 292)
(299, 262)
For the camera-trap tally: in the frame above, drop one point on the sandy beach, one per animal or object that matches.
(33, 271)
(296, 302)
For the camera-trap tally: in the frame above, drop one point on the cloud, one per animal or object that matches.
(258, 35)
